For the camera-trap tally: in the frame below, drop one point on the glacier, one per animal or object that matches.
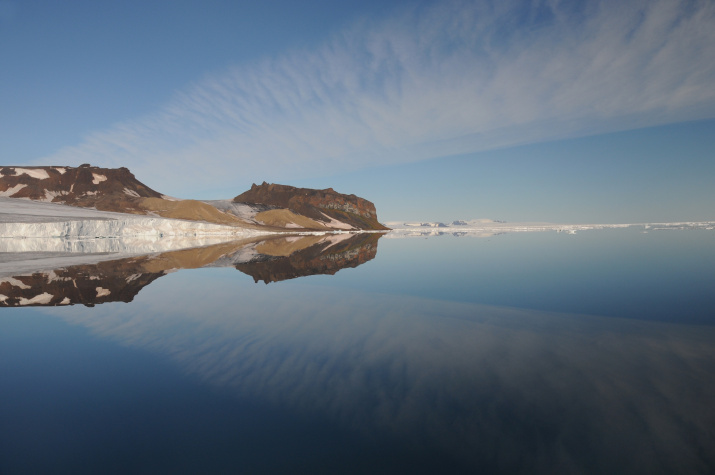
(31, 219)
(118, 228)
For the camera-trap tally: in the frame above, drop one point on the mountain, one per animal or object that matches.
(106, 189)
(324, 208)
(265, 207)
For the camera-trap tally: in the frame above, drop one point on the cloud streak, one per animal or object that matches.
(452, 78)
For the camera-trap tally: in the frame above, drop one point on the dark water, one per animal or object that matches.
(520, 353)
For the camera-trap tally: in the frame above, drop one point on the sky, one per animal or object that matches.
(560, 111)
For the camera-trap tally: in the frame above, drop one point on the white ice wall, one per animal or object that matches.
(128, 227)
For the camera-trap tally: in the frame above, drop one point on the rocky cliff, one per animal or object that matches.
(327, 207)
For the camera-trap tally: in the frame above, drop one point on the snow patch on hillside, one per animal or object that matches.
(34, 173)
(97, 178)
(50, 195)
(241, 210)
(335, 224)
(13, 190)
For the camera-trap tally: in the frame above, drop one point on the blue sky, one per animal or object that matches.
(596, 111)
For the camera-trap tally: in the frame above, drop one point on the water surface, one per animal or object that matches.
(519, 353)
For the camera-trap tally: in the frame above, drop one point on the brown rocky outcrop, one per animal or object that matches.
(319, 205)
(106, 189)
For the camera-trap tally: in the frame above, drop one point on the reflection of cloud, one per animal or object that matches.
(528, 389)
(450, 78)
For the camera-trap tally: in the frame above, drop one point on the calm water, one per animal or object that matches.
(519, 353)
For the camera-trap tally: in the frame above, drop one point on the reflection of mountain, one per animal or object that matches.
(120, 280)
(113, 281)
(324, 257)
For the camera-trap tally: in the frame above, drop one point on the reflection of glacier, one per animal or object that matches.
(122, 247)
(525, 391)
(268, 259)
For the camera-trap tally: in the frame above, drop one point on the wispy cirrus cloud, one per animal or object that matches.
(451, 78)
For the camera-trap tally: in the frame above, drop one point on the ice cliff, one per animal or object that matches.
(111, 228)
(31, 219)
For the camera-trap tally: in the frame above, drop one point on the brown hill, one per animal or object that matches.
(328, 207)
(106, 189)
(191, 210)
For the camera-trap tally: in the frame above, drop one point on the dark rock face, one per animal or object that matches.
(107, 189)
(322, 258)
(315, 204)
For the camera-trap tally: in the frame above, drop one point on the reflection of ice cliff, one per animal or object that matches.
(525, 391)
(270, 260)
